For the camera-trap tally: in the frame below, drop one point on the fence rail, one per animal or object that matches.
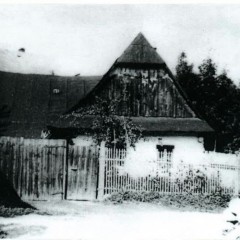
(45, 169)
(169, 178)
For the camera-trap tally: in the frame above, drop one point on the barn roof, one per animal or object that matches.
(140, 52)
(37, 100)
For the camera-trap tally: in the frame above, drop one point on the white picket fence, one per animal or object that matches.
(168, 177)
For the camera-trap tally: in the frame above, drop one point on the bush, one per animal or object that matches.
(207, 202)
(2, 234)
(12, 212)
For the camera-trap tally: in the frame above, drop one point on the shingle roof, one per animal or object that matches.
(148, 124)
(140, 52)
(191, 125)
(34, 100)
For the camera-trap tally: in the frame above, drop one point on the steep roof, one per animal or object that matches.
(37, 100)
(140, 52)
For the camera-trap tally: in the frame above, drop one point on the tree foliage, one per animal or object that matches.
(118, 131)
(215, 97)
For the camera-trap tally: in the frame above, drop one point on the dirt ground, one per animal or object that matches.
(94, 220)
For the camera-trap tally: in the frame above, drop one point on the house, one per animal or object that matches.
(153, 99)
(173, 133)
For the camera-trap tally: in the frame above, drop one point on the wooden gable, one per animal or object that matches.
(147, 91)
(141, 79)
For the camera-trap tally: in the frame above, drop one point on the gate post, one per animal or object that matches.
(238, 176)
(65, 170)
(101, 171)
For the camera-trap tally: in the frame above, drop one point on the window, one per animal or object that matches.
(164, 160)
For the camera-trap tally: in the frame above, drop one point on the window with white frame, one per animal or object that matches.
(164, 159)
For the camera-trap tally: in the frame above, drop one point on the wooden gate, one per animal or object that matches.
(42, 169)
(82, 173)
(34, 166)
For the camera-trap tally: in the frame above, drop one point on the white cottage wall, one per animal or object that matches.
(141, 161)
(186, 148)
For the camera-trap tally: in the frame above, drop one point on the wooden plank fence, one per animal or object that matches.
(179, 179)
(35, 167)
(43, 169)
(82, 172)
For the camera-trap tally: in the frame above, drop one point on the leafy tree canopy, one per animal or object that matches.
(215, 97)
(117, 131)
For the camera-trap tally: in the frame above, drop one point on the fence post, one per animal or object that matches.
(238, 176)
(101, 171)
(65, 170)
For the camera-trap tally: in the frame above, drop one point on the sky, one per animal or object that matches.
(70, 39)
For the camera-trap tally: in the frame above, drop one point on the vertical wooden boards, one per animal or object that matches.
(34, 166)
(36, 170)
(146, 92)
(82, 172)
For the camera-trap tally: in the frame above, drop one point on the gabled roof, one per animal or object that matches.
(35, 100)
(140, 52)
(143, 56)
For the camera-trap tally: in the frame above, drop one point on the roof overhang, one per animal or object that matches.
(149, 125)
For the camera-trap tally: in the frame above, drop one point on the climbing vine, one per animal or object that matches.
(106, 125)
